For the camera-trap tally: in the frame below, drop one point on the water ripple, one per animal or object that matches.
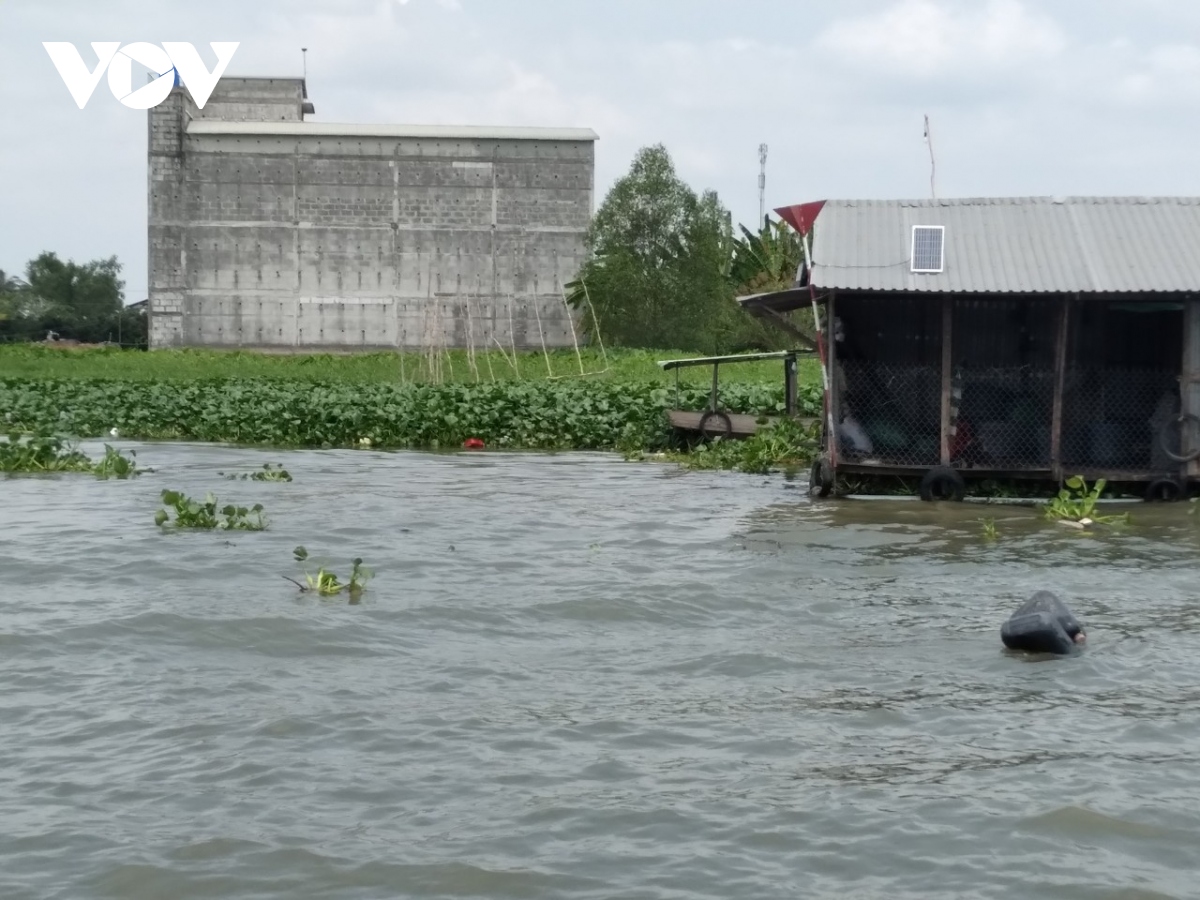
(577, 677)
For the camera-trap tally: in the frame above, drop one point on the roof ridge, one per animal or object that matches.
(1020, 200)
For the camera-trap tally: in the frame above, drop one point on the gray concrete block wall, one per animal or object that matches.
(252, 100)
(311, 240)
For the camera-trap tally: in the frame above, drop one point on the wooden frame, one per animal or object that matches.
(947, 374)
(1060, 379)
(1189, 382)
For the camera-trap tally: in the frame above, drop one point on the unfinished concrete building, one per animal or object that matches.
(270, 231)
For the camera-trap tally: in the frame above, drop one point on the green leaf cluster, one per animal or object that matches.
(328, 583)
(1077, 502)
(206, 514)
(785, 445)
(115, 464)
(41, 452)
(268, 472)
(44, 452)
(544, 415)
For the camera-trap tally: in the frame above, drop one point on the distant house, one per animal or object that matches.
(1009, 337)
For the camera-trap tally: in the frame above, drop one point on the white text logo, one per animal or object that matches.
(171, 59)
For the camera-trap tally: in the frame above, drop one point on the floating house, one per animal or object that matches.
(1018, 338)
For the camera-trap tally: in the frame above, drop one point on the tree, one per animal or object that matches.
(658, 274)
(79, 301)
(768, 260)
(10, 284)
(765, 262)
(11, 289)
(85, 298)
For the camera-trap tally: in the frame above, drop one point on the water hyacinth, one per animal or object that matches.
(544, 415)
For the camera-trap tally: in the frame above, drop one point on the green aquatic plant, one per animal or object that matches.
(205, 514)
(327, 583)
(1077, 503)
(268, 472)
(511, 415)
(786, 444)
(990, 532)
(115, 464)
(42, 452)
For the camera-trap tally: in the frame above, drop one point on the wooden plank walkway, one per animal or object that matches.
(743, 425)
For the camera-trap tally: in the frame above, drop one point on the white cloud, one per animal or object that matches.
(1166, 74)
(1026, 96)
(930, 37)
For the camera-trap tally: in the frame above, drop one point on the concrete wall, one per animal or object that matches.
(268, 231)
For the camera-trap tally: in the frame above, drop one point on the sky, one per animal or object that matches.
(1025, 97)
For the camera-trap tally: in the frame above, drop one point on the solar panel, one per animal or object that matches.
(928, 248)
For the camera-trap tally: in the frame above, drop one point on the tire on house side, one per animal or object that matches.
(943, 483)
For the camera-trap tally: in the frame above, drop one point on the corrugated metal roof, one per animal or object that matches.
(1014, 244)
(428, 132)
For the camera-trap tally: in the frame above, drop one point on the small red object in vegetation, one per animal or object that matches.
(473, 444)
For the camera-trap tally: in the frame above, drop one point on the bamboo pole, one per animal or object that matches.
(571, 321)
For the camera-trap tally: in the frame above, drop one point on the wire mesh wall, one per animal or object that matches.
(891, 414)
(1120, 407)
(1004, 418)
(1117, 419)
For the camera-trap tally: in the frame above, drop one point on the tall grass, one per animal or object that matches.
(455, 366)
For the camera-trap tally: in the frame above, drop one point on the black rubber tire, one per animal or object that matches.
(943, 483)
(1162, 438)
(820, 478)
(724, 427)
(1164, 490)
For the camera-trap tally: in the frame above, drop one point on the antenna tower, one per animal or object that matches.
(762, 184)
(932, 161)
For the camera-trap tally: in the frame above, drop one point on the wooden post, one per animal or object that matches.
(789, 385)
(947, 373)
(831, 356)
(1060, 379)
(1189, 393)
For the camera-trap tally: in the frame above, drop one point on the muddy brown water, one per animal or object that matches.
(576, 677)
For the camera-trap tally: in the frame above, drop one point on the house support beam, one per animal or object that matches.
(831, 355)
(791, 392)
(788, 328)
(1189, 394)
(947, 374)
(1060, 380)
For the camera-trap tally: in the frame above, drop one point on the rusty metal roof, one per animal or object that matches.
(1011, 244)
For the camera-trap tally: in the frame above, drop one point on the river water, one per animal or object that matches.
(576, 677)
